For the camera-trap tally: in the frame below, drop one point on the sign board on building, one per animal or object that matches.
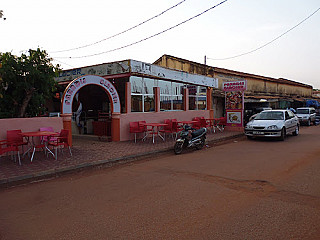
(170, 74)
(98, 70)
(235, 86)
(132, 66)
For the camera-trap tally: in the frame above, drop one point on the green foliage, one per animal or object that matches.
(26, 82)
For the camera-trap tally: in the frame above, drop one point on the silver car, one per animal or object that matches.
(273, 123)
(306, 115)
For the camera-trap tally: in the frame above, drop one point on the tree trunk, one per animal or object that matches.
(25, 102)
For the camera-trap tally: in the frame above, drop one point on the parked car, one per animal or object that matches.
(251, 114)
(306, 115)
(273, 123)
(259, 111)
(317, 121)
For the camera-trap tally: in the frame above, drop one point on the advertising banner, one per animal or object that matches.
(234, 102)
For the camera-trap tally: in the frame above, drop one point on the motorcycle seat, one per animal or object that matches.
(197, 132)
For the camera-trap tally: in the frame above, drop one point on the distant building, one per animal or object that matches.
(261, 91)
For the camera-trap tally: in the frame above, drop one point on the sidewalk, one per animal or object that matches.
(89, 152)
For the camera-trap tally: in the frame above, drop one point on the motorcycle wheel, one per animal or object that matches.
(201, 144)
(178, 148)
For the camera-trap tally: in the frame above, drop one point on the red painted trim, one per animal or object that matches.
(122, 75)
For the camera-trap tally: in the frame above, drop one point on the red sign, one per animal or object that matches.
(235, 86)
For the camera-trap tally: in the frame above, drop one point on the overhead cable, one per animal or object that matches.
(63, 62)
(239, 55)
(147, 38)
(117, 34)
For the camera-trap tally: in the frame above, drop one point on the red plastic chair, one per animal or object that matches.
(142, 126)
(175, 128)
(204, 123)
(15, 139)
(179, 127)
(168, 128)
(222, 123)
(60, 141)
(5, 147)
(196, 125)
(136, 129)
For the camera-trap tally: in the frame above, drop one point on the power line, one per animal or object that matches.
(239, 55)
(63, 62)
(117, 34)
(147, 38)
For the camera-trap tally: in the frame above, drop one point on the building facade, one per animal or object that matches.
(261, 91)
(130, 90)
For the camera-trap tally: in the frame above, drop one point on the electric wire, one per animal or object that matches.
(266, 44)
(117, 34)
(63, 62)
(147, 38)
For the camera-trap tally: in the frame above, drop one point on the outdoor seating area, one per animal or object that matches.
(142, 130)
(46, 140)
(88, 152)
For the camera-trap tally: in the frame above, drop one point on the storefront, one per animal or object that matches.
(125, 91)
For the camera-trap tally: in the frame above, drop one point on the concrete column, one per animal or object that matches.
(156, 91)
(210, 102)
(128, 97)
(115, 127)
(186, 99)
(66, 117)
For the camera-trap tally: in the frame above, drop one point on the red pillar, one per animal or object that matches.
(209, 102)
(115, 127)
(67, 125)
(156, 91)
(185, 99)
(128, 97)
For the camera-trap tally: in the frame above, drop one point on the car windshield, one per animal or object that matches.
(302, 111)
(270, 116)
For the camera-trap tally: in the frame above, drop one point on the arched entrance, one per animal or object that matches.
(73, 88)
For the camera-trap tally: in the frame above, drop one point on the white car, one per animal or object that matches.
(306, 115)
(273, 123)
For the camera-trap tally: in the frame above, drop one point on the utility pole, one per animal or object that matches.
(205, 60)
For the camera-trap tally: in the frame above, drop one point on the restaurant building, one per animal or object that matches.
(117, 93)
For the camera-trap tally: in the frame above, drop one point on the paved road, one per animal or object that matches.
(257, 189)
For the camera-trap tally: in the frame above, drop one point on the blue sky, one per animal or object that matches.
(233, 28)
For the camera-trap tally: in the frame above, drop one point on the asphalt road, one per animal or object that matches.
(246, 189)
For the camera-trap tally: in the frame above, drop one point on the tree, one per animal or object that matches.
(26, 82)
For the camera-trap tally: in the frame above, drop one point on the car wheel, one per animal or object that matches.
(309, 122)
(296, 131)
(283, 134)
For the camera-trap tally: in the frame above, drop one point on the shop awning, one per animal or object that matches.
(261, 98)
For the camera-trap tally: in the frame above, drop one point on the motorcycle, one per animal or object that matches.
(190, 137)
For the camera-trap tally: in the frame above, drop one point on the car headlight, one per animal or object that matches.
(273, 127)
(249, 127)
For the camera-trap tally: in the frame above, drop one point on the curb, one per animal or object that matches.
(54, 173)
